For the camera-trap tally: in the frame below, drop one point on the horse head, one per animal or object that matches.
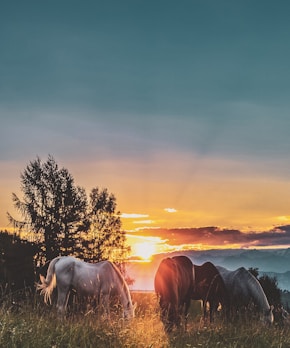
(129, 310)
(268, 316)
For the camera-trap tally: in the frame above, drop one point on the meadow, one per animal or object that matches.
(28, 323)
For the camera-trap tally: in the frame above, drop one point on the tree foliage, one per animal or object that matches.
(61, 218)
(254, 271)
(16, 260)
(269, 285)
(107, 240)
(271, 289)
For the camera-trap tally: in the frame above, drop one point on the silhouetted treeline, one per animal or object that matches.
(17, 268)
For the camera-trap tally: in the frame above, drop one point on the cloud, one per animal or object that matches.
(170, 210)
(216, 237)
(133, 216)
(144, 222)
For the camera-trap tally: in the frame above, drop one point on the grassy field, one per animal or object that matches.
(30, 324)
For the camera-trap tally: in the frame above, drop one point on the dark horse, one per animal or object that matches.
(210, 288)
(173, 285)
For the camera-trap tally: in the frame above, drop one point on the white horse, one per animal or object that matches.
(101, 281)
(244, 289)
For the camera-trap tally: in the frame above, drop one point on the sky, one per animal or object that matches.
(180, 109)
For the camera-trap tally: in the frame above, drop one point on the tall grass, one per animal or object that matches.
(30, 323)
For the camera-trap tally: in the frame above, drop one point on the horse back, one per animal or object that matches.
(173, 280)
(111, 278)
(204, 276)
(165, 281)
(185, 277)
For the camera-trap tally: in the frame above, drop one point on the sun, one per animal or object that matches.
(144, 250)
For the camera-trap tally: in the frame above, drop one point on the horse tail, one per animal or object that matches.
(47, 284)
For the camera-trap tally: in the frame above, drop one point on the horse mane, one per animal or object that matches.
(119, 274)
(257, 293)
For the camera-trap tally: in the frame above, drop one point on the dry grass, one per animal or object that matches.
(36, 325)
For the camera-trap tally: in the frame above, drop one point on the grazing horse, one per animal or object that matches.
(173, 285)
(100, 281)
(210, 288)
(244, 289)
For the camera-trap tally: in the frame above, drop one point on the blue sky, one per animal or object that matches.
(168, 104)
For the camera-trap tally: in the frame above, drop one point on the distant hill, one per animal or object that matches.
(270, 260)
(273, 262)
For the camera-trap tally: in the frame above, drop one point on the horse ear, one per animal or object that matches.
(271, 308)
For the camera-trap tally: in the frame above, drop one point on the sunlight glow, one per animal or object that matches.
(283, 218)
(144, 250)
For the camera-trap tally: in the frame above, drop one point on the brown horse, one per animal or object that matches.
(210, 288)
(173, 285)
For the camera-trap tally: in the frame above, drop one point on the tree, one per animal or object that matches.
(271, 289)
(269, 285)
(254, 271)
(52, 207)
(17, 262)
(63, 223)
(107, 240)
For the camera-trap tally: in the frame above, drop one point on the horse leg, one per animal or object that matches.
(212, 307)
(178, 315)
(106, 305)
(62, 299)
(227, 308)
(169, 317)
(186, 308)
(204, 304)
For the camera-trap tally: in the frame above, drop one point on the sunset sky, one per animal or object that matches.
(180, 109)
